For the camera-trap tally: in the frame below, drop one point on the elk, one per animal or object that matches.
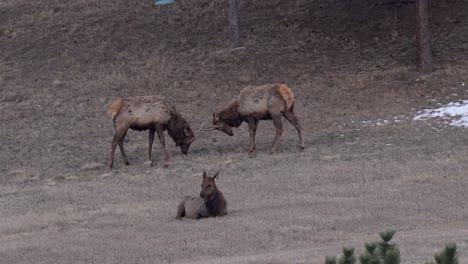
(255, 103)
(153, 113)
(210, 203)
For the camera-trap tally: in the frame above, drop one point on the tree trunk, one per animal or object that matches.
(423, 37)
(234, 23)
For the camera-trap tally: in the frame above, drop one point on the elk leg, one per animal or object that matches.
(119, 133)
(253, 124)
(151, 140)
(279, 130)
(159, 130)
(122, 151)
(289, 115)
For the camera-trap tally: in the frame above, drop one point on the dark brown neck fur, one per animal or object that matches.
(215, 203)
(230, 115)
(175, 129)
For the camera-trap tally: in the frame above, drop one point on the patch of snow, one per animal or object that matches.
(384, 122)
(455, 113)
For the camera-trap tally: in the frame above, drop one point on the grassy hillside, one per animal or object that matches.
(351, 65)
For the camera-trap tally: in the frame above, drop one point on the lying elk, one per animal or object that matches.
(255, 103)
(210, 203)
(153, 113)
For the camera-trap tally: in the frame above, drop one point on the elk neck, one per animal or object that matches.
(214, 202)
(176, 125)
(230, 114)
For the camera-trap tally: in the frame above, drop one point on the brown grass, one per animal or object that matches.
(64, 63)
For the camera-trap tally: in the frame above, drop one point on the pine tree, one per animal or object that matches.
(385, 246)
(348, 256)
(234, 23)
(371, 256)
(392, 257)
(330, 260)
(448, 255)
(423, 37)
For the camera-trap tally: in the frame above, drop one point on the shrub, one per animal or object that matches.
(384, 252)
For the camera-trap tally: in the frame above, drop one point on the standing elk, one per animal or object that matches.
(210, 203)
(255, 103)
(153, 113)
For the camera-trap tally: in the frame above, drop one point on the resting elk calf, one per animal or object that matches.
(153, 113)
(255, 103)
(210, 203)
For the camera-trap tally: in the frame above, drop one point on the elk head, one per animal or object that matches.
(180, 131)
(208, 186)
(185, 142)
(221, 125)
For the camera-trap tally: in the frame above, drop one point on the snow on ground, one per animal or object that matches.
(381, 122)
(454, 113)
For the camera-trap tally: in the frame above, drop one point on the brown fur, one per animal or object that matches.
(210, 203)
(255, 103)
(286, 94)
(115, 108)
(153, 113)
(230, 113)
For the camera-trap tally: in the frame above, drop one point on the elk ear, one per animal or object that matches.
(204, 175)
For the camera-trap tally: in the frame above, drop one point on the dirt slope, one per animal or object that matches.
(349, 63)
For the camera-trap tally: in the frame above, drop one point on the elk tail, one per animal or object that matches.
(115, 108)
(286, 94)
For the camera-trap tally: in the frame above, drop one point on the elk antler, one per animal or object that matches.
(201, 127)
(201, 131)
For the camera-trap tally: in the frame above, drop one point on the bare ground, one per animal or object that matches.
(60, 204)
(293, 207)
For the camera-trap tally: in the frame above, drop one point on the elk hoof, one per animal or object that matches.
(302, 147)
(127, 163)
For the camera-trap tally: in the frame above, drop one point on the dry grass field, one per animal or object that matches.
(351, 66)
